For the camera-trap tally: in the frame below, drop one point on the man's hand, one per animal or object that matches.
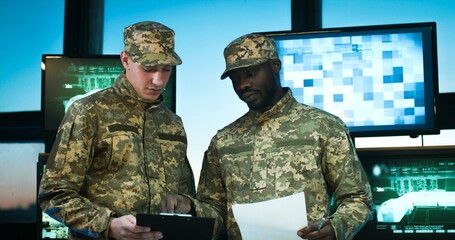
(176, 204)
(321, 229)
(125, 228)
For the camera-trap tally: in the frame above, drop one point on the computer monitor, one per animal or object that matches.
(68, 78)
(413, 192)
(380, 80)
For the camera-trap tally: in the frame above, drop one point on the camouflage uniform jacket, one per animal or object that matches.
(290, 148)
(115, 154)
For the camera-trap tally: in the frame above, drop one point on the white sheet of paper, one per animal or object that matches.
(275, 219)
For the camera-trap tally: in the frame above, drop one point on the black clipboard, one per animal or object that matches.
(178, 227)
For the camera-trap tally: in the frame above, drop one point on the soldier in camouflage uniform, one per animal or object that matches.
(119, 151)
(278, 148)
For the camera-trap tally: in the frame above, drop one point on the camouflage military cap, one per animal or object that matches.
(248, 50)
(150, 44)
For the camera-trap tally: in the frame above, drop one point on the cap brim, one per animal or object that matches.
(242, 64)
(154, 59)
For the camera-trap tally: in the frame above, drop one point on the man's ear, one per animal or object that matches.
(276, 66)
(124, 59)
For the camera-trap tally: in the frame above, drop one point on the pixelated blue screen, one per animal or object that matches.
(380, 80)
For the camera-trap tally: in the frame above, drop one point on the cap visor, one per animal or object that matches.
(242, 64)
(154, 59)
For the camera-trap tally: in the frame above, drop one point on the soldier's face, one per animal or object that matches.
(258, 86)
(149, 82)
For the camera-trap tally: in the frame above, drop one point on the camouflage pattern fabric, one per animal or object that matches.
(150, 44)
(115, 154)
(288, 149)
(248, 50)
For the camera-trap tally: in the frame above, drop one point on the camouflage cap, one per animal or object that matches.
(248, 50)
(150, 44)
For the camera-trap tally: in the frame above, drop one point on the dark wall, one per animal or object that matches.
(83, 29)
(447, 110)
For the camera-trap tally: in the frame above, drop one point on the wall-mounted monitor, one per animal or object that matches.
(413, 192)
(66, 79)
(380, 80)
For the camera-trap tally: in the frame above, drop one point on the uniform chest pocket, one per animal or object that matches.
(236, 166)
(120, 149)
(173, 149)
(293, 163)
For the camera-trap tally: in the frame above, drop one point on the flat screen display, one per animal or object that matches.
(413, 192)
(66, 79)
(380, 80)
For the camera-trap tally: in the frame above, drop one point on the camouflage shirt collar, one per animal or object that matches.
(284, 103)
(124, 87)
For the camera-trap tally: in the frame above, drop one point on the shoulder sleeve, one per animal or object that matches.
(59, 192)
(347, 180)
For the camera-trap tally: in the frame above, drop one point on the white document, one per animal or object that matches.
(277, 219)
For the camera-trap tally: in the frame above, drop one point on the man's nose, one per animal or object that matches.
(244, 82)
(157, 78)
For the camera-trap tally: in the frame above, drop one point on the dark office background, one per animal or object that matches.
(79, 27)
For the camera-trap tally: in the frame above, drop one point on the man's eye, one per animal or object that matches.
(149, 69)
(234, 80)
(252, 72)
(155, 69)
